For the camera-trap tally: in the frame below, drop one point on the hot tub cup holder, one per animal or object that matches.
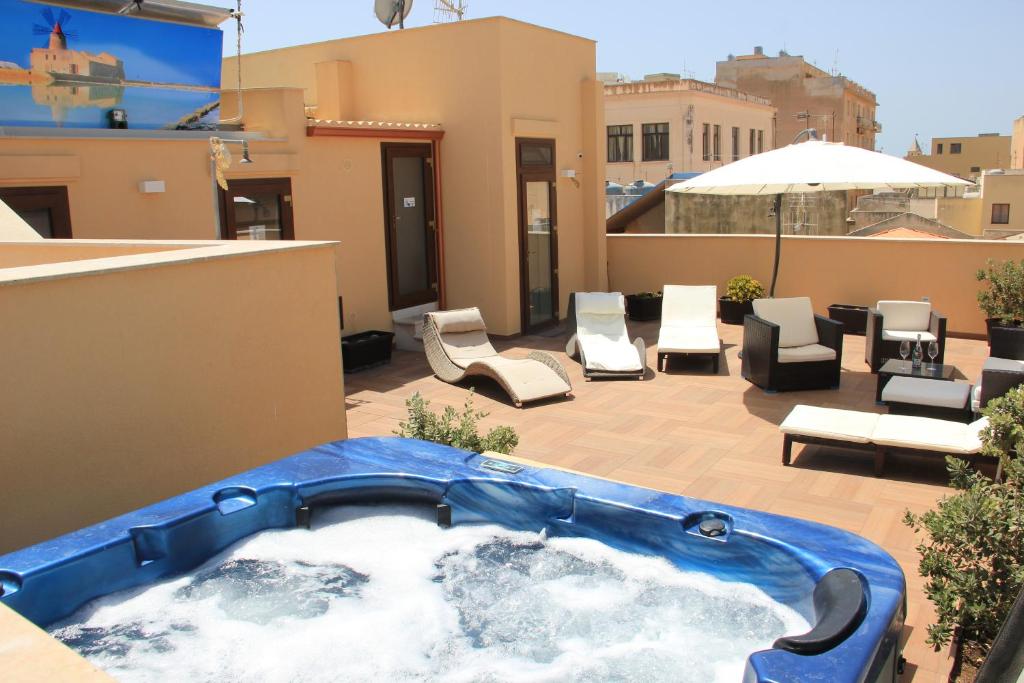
(9, 583)
(709, 524)
(234, 498)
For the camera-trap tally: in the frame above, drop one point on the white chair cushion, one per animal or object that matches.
(600, 303)
(530, 379)
(689, 305)
(908, 335)
(794, 316)
(830, 423)
(925, 433)
(459, 320)
(905, 315)
(976, 397)
(1003, 364)
(465, 347)
(806, 354)
(677, 339)
(926, 392)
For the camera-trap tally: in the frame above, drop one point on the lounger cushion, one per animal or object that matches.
(529, 379)
(1003, 364)
(600, 303)
(908, 335)
(925, 433)
(976, 397)
(806, 354)
(684, 305)
(460, 320)
(905, 315)
(830, 423)
(794, 316)
(465, 347)
(926, 392)
(678, 339)
(601, 333)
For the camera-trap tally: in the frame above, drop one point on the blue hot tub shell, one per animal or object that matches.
(787, 558)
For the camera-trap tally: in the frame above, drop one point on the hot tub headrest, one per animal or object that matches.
(840, 604)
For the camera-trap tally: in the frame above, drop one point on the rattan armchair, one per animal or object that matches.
(882, 338)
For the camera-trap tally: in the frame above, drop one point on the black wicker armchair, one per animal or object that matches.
(878, 348)
(762, 366)
(998, 376)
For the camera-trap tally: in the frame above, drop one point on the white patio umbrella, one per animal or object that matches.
(812, 166)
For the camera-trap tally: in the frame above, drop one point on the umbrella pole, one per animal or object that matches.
(778, 242)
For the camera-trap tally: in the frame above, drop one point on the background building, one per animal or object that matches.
(966, 157)
(1017, 144)
(805, 97)
(665, 124)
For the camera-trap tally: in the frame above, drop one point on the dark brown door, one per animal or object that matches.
(410, 224)
(257, 209)
(538, 233)
(44, 208)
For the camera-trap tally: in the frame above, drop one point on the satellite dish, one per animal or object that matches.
(391, 12)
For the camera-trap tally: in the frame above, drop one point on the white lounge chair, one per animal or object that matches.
(688, 323)
(599, 338)
(882, 434)
(457, 347)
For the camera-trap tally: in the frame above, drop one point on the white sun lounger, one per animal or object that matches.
(599, 337)
(882, 434)
(457, 347)
(688, 323)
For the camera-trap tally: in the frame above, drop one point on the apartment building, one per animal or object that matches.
(665, 124)
(966, 157)
(805, 96)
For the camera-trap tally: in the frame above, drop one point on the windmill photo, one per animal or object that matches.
(54, 28)
(70, 66)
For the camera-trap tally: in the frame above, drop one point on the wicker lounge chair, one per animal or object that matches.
(688, 324)
(599, 338)
(882, 434)
(998, 376)
(892, 322)
(457, 347)
(786, 347)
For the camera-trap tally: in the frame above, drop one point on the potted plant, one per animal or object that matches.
(644, 306)
(1002, 302)
(740, 293)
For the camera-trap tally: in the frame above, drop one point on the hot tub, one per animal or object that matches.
(849, 591)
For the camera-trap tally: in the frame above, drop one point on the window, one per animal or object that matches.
(1000, 214)
(753, 142)
(257, 209)
(975, 169)
(760, 141)
(620, 143)
(718, 143)
(954, 148)
(655, 141)
(44, 208)
(706, 142)
(938, 148)
(735, 143)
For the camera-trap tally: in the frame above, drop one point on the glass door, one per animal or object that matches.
(410, 224)
(538, 242)
(258, 209)
(44, 208)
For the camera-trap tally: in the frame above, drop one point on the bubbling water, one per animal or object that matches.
(382, 593)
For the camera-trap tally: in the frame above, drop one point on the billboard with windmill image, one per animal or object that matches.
(70, 67)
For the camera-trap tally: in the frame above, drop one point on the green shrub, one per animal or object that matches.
(743, 288)
(973, 556)
(1004, 297)
(455, 429)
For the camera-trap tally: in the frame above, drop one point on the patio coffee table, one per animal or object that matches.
(895, 367)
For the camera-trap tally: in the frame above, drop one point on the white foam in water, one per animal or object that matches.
(382, 593)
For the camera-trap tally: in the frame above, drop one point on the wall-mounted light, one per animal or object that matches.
(152, 186)
(220, 157)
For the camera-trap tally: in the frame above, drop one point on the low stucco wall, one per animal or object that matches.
(851, 270)
(134, 378)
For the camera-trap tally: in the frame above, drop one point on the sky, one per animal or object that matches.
(938, 67)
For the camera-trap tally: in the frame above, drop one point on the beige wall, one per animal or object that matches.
(982, 152)
(854, 270)
(1003, 188)
(131, 378)
(668, 102)
(961, 213)
(1017, 144)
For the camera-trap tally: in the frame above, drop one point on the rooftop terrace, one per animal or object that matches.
(705, 436)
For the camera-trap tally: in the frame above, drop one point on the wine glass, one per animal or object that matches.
(933, 351)
(904, 351)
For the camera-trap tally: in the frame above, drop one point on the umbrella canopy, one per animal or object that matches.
(815, 166)
(812, 166)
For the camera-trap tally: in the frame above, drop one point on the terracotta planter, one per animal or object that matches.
(732, 312)
(643, 307)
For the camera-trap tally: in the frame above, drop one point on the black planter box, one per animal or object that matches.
(643, 307)
(366, 350)
(853, 318)
(732, 312)
(1006, 342)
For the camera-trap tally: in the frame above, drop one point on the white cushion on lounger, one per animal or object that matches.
(908, 335)
(976, 397)
(830, 423)
(905, 315)
(690, 305)
(459, 320)
(531, 379)
(465, 347)
(806, 354)
(794, 316)
(929, 434)
(601, 333)
(926, 392)
(600, 303)
(688, 340)
(1004, 364)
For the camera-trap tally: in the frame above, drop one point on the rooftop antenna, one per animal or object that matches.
(448, 11)
(390, 12)
(835, 63)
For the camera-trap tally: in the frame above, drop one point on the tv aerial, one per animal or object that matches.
(390, 12)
